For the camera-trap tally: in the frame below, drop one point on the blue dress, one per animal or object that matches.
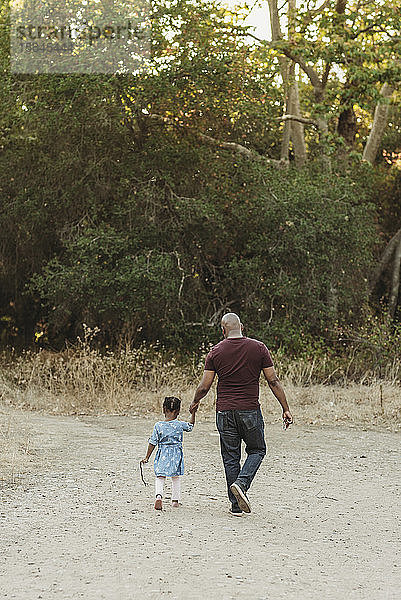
(167, 436)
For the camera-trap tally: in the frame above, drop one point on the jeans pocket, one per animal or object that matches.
(249, 419)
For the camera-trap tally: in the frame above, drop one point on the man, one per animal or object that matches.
(238, 362)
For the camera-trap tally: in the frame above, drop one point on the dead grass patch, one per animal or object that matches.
(84, 381)
(14, 445)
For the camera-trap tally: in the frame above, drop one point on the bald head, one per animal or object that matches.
(231, 325)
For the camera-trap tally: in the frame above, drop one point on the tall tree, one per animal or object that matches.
(292, 129)
(345, 49)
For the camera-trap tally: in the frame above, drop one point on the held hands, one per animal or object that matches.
(194, 407)
(287, 419)
(144, 461)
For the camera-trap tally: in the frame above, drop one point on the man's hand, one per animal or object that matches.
(287, 419)
(144, 461)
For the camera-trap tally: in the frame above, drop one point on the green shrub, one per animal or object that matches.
(289, 251)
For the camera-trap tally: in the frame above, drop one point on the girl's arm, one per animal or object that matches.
(151, 447)
(193, 413)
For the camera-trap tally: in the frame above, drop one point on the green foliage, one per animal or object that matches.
(113, 217)
(99, 280)
(306, 254)
(374, 347)
(347, 50)
(289, 251)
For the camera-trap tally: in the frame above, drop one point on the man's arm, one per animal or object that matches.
(203, 388)
(278, 391)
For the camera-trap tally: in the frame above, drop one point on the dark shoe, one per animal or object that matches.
(241, 497)
(158, 503)
(236, 512)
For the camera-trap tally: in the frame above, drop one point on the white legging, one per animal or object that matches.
(175, 485)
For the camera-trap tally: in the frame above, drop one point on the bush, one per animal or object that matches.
(289, 252)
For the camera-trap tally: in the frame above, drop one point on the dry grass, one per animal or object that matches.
(359, 405)
(82, 380)
(14, 445)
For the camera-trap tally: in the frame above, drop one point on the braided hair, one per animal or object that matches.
(172, 404)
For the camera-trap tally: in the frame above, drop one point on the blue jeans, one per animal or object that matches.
(235, 426)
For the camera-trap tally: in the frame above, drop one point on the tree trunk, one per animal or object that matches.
(286, 137)
(332, 299)
(297, 128)
(323, 128)
(395, 284)
(277, 35)
(341, 5)
(385, 259)
(378, 126)
(347, 126)
(284, 69)
(293, 131)
(297, 133)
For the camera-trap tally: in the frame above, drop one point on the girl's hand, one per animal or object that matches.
(144, 460)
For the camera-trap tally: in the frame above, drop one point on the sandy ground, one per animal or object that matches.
(81, 524)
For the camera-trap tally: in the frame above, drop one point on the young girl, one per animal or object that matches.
(169, 459)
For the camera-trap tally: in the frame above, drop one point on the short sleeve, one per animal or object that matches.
(209, 364)
(187, 426)
(154, 438)
(266, 357)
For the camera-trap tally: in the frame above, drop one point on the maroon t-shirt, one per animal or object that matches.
(238, 363)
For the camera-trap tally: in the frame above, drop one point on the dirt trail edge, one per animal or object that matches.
(82, 525)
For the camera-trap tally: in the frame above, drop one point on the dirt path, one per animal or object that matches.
(324, 520)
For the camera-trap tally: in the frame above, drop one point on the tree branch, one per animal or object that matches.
(303, 120)
(226, 145)
(310, 71)
(232, 146)
(353, 37)
(312, 14)
(326, 74)
(241, 32)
